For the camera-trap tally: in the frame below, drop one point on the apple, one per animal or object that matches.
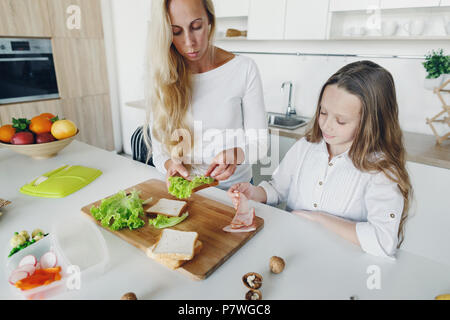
(23, 137)
(44, 137)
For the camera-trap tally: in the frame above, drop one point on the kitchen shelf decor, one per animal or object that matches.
(446, 110)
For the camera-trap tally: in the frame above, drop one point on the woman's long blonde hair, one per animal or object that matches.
(168, 80)
(379, 130)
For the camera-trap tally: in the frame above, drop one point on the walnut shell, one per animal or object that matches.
(276, 264)
(129, 296)
(254, 282)
(253, 295)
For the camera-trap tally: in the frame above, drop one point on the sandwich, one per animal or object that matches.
(171, 208)
(173, 263)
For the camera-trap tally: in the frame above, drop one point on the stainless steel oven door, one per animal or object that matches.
(27, 77)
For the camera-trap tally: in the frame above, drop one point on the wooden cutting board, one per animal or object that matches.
(206, 217)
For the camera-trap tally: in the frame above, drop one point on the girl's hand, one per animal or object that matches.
(247, 189)
(310, 215)
(175, 169)
(225, 163)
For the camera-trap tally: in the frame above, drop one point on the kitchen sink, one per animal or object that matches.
(281, 120)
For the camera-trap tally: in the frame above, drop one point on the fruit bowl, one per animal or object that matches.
(40, 150)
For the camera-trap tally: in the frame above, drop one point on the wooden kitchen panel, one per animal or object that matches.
(29, 110)
(92, 114)
(90, 17)
(80, 66)
(24, 18)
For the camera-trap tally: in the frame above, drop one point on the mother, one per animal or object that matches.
(195, 86)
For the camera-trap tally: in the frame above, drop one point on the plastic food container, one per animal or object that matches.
(81, 253)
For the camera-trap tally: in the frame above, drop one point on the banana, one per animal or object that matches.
(443, 297)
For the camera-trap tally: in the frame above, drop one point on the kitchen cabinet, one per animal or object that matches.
(80, 67)
(350, 5)
(24, 18)
(306, 20)
(398, 4)
(30, 110)
(231, 8)
(89, 13)
(92, 114)
(266, 19)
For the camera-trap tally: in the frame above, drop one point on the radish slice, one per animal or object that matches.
(38, 266)
(29, 268)
(28, 260)
(48, 260)
(16, 276)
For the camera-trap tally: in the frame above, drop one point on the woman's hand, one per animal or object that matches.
(225, 163)
(175, 169)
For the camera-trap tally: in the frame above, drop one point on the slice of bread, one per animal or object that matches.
(172, 208)
(173, 263)
(174, 244)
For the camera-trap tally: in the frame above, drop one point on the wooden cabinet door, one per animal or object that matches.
(24, 18)
(80, 67)
(306, 19)
(350, 5)
(266, 19)
(65, 13)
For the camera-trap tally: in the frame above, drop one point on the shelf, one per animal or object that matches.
(231, 39)
(140, 104)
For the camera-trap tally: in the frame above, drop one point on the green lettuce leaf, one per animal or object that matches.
(182, 188)
(120, 211)
(162, 221)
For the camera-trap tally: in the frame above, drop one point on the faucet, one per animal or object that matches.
(290, 110)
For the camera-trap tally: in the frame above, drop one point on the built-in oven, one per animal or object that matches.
(27, 70)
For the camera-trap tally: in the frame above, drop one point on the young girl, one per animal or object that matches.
(348, 173)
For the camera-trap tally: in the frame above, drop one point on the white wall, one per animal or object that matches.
(130, 31)
(308, 73)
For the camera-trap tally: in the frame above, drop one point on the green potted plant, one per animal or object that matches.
(437, 66)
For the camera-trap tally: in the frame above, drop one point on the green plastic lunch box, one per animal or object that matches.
(61, 182)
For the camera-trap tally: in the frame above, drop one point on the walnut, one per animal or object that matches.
(253, 295)
(252, 280)
(129, 296)
(276, 264)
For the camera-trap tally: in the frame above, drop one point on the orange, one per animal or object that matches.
(63, 129)
(47, 115)
(40, 125)
(6, 133)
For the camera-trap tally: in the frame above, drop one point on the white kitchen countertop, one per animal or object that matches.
(319, 264)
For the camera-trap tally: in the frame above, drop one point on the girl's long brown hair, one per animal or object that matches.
(378, 143)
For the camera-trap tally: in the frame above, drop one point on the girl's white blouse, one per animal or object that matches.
(307, 180)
